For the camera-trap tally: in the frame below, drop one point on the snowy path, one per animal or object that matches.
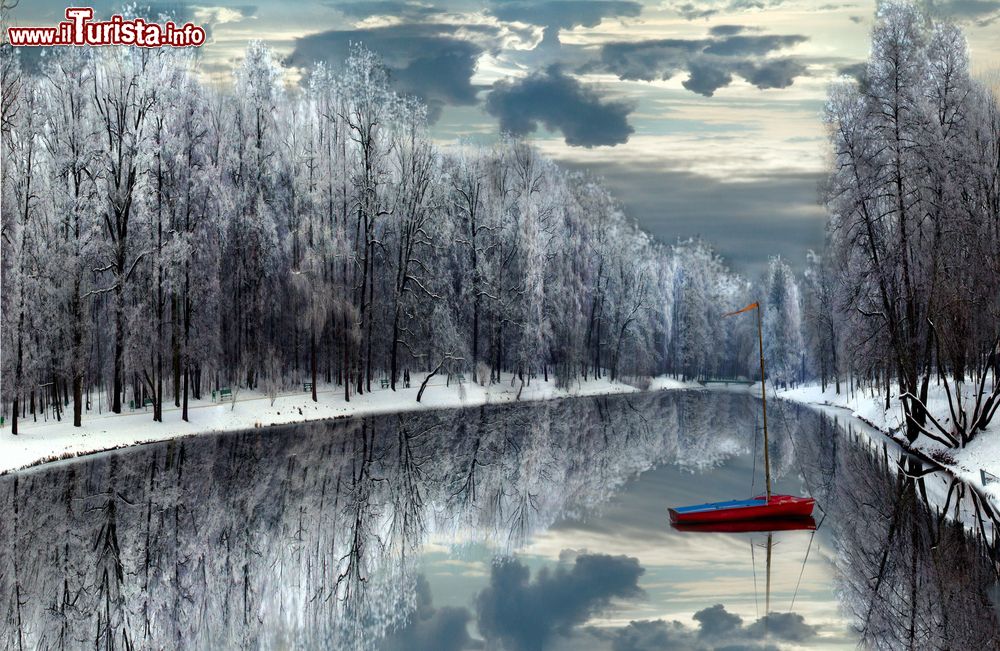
(48, 441)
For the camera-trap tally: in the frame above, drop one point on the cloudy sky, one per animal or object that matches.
(703, 116)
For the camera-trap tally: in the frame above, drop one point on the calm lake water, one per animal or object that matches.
(524, 527)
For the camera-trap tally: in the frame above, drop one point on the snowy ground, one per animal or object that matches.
(38, 442)
(982, 454)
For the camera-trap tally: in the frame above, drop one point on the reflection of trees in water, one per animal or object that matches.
(308, 536)
(910, 578)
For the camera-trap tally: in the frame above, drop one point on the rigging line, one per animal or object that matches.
(803, 568)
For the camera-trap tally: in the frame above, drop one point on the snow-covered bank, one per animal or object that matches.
(38, 442)
(983, 453)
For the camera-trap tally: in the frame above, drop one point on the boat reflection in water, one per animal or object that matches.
(749, 526)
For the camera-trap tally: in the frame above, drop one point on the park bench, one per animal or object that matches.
(384, 382)
(148, 402)
(460, 378)
(307, 386)
(224, 392)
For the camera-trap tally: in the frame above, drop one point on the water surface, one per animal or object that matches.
(533, 526)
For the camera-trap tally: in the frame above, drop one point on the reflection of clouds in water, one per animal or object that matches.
(525, 613)
(552, 610)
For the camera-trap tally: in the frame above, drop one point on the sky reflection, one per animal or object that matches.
(682, 574)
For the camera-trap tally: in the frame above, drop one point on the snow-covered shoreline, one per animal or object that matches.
(983, 453)
(42, 442)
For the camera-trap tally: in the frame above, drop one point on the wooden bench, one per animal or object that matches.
(460, 378)
(384, 382)
(148, 402)
(224, 392)
(307, 386)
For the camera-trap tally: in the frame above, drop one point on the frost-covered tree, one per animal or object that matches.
(912, 201)
(782, 322)
(73, 230)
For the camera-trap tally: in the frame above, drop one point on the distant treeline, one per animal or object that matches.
(162, 238)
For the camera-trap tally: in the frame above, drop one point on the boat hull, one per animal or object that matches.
(759, 508)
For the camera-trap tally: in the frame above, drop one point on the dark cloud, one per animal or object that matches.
(648, 635)
(741, 45)
(710, 62)
(691, 11)
(728, 30)
(703, 9)
(717, 630)
(716, 621)
(772, 73)
(980, 12)
(649, 60)
(427, 60)
(747, 221)
(561, 103)
(856, 70)
(430, 628)
(566, 14)
(705, 78)
(790, 627)
(525, 614)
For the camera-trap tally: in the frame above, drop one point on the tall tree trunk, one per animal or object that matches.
(116, 399)
(77, 347)
(371, 306)
(18, 372)
(345, 357)
(393, 363)
(312, 362)
(176, 348)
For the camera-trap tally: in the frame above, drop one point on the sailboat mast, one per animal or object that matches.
(763, 398)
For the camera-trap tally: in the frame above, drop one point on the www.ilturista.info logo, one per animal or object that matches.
(80, 29)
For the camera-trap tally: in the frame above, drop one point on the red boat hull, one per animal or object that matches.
(759, 508)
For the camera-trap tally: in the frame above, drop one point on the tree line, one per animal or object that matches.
(163, 238)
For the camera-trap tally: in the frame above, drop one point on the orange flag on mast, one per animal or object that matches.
(752, 306)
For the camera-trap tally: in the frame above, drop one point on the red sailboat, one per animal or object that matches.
(767, 506)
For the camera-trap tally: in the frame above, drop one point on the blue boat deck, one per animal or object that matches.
(715, 506)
